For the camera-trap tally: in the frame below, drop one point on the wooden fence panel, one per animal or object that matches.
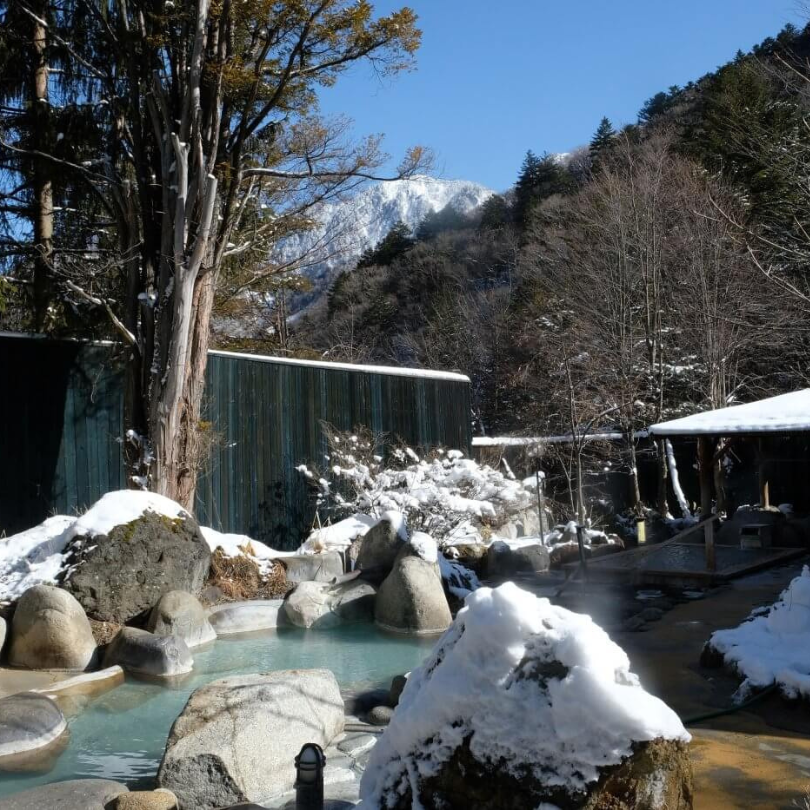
(61, 412)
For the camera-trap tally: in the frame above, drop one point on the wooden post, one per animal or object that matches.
(764, 487)
(706, 481)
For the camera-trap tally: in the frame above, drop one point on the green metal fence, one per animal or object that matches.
(61, 425)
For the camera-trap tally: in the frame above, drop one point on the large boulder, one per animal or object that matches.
(75, 794)
(506, 560)
(121, 574)
(180, 614)
(143, 653)
(50, 631)
(28, 722)
(320, 605)
(231, 618)
(237, 738)
(380, 545)
(322, 567)
(411, 599)
(524, 705)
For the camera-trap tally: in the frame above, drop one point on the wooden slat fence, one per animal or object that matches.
(61, 424)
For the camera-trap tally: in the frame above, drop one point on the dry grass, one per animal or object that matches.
(103, 632)
(240, 577)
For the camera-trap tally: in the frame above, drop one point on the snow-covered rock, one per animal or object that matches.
(38, 555)
(771, 646)
(122, 560)
(527, 700)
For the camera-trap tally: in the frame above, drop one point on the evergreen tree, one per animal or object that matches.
(397, 241)
(436, 222)
(602, 140)
(495, 213)
(539, 179)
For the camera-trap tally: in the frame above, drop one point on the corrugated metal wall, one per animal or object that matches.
(61, 423)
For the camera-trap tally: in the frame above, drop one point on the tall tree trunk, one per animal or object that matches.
(663, 475)
(635, 492)
(43, 186)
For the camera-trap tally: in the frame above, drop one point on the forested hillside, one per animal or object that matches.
(660, 269)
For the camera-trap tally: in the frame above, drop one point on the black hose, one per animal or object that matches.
(690, 721)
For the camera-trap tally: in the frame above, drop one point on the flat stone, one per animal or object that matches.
(87, 684)
(357, 743)
(160, 799)
(76, 794)
(313, 567)
(144, 653)
(29, 721)
(246, 617)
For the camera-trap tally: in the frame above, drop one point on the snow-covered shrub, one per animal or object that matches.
(443, 494)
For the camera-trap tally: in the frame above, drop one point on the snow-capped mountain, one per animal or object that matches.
(345, 229)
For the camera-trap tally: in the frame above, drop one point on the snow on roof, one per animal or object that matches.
(787, 413)
(567, 438)
(394, 371)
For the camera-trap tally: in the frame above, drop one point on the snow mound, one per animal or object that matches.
(531, 686)
(120, 507)
(33, 557)
(338, 535)
(773, 647)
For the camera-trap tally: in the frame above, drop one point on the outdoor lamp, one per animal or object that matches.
(309, 777)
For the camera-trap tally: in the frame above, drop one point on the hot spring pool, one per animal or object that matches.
(121, 734)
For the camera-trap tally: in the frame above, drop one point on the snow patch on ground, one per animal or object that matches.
(237, 545)
(480, 682)
(772, 647)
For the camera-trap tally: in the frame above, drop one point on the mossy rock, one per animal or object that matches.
(120, 576)
(656, 776)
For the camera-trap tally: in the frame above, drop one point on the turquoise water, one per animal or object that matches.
(121, 734)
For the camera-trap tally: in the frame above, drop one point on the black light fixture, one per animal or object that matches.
(309, 765)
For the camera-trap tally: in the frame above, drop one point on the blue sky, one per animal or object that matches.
(497, 78)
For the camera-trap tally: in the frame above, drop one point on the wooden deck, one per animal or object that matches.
(681, 562)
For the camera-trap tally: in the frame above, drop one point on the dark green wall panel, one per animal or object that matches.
(61, 414)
